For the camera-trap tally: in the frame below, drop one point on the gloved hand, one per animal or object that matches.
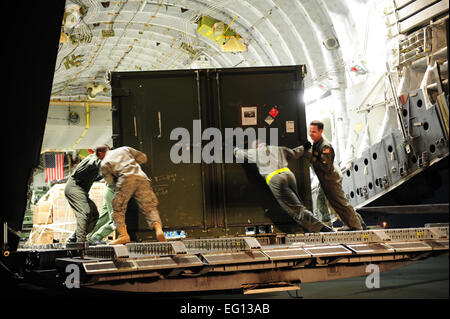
(306, 146)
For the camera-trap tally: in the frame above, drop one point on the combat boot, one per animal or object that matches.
(363, 224)
(326, 229)
(72, 238)
(159, 232)
(123, 238)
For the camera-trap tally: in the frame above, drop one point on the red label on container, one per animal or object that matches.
(274, 112)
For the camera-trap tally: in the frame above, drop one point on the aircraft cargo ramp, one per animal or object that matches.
(243, 264)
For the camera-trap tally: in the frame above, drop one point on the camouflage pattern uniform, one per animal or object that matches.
(121, 168)
(77, 194)
(330, 179)
(283, 185)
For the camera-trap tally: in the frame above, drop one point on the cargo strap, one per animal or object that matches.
(278, 171)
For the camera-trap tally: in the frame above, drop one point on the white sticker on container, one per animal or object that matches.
(290, 127)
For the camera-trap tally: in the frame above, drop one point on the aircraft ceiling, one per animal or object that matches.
(103, 36)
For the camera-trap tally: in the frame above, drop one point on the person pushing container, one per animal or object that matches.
(121, 169)
(76, 192)
(272, 165)
(330, 177)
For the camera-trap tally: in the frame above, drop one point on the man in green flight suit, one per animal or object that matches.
(326, 216)
(105, 223)
(330, 178)
(77, 193)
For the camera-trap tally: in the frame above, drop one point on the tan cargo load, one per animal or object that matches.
(53, 218)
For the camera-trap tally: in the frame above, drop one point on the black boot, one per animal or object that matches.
(326, 229)
(72, 238)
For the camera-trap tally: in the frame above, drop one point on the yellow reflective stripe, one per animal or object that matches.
(278, 171)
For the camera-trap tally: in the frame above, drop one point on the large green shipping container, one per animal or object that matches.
(202, 199)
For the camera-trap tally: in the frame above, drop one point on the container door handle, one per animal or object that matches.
(159, 125)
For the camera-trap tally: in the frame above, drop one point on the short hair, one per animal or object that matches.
(101, 148)
(319, 124)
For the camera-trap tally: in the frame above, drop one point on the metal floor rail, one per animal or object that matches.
(242, 262)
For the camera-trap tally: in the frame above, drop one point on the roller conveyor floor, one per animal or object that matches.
(235, 264)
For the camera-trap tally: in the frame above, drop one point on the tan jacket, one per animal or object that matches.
(121, 163)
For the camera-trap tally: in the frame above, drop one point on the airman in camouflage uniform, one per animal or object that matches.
(330, 178)
(121, 168)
